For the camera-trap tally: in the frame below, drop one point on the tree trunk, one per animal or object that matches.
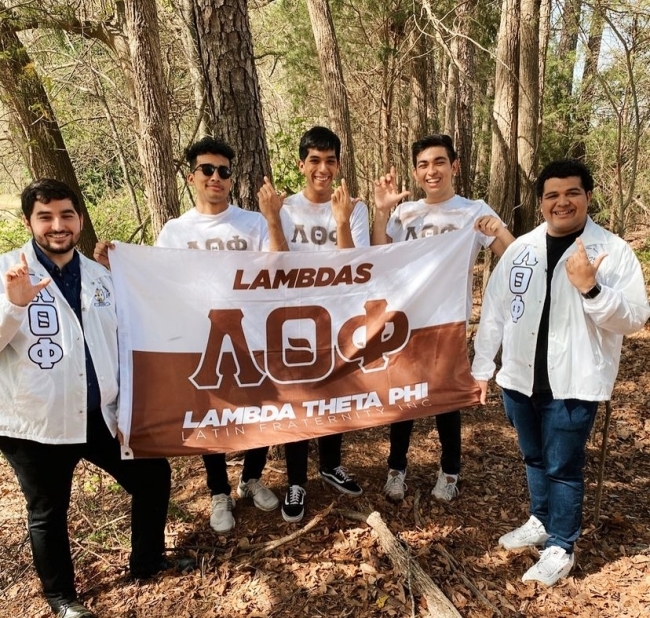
(544, 37)
(464, 101)
(42, 144)
(204, 125)
(153, 112)
(451, 92)
(233, 92)
(503, 161)
(418, 103)
(336, 95)
(528, 115)
(587, 84)
(569, 42)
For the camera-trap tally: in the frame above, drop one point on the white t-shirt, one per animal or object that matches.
(412, 220)
(232, 230)
(311, 227)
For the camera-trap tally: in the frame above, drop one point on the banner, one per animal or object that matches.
(230, 350)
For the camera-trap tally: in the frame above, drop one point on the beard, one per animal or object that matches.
(58, 247)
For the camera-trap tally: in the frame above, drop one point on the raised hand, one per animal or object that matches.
(386, 194)
(270, 201)
(18, 286)
(342, 205)
(580, 271)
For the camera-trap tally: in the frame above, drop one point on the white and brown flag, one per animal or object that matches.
(225, 351)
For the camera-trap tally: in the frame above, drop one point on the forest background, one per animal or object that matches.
(106, 95)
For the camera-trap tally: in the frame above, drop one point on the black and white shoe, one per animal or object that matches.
(293, 507)
(339, 478)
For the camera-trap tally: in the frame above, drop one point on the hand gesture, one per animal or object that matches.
(270, 200)
(342, 205)
(18, 286)
(489, 225)
(386, 193)
(580, 271)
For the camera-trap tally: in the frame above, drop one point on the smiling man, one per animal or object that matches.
(435, 163)
(58, 391)
(558, 303)
(318, 218)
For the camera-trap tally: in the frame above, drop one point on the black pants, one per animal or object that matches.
(448, 426)
(297, 454)
(215, 467)
(45, 473)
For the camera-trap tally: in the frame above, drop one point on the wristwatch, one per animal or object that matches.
(593, 292)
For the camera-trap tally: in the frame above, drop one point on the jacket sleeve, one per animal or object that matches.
(11, 318)
(622, 305)
(490, 330)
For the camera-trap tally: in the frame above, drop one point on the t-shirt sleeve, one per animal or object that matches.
(359, 225)
(393, 227)
(165, 237)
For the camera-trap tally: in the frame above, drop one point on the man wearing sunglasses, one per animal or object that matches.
(317, 218)
(216, 224)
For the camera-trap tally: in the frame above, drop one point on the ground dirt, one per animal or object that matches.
(337, 568)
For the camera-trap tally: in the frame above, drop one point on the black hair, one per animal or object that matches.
(319, 138)
(44, 191)
(564, 168)
(208, 145)
(437, 139)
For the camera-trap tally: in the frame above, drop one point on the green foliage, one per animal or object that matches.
(13, 233)
(283, 150)
(114, 219)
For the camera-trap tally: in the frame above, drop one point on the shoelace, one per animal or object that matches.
(295, 493)
(342, 474)
(393, 481)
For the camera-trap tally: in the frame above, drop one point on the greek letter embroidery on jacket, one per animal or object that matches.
(520, 275)
(44, 323)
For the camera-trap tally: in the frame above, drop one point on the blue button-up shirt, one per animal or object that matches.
(68, 280)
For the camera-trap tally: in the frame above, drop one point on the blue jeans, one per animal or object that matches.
(552, 435)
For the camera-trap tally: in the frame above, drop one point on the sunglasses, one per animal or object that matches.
(207, 169)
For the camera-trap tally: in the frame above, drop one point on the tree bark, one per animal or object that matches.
(587, 84)
(465, 94)
(503, 161)
(42, 144)
(153, 112)
(528, 115)
(232, 91)
(334, 85)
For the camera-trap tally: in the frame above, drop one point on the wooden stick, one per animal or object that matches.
(271, 545)
(466, 580)
(438, 605)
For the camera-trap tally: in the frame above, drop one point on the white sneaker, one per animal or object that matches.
(395, 486)
(263, 498)
(531, 533)
(553, 564)
(221, 518)
(446, 486)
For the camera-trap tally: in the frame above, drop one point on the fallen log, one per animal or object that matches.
(438, 605)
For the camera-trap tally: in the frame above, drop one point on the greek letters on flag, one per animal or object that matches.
(229, 350)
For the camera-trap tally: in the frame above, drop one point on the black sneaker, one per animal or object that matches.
(339, 478)
(293, 507)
